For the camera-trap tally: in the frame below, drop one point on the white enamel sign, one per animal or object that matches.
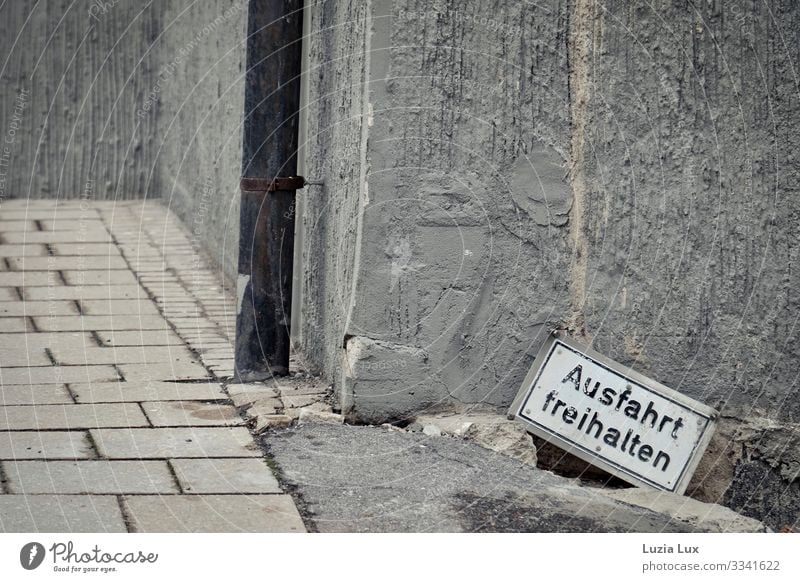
(613, 417)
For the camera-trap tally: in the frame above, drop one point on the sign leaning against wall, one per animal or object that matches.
(613, 417)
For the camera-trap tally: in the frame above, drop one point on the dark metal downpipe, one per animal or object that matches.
(269, 162)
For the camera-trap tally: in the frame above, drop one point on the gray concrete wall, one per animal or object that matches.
(200, 103)
(72, 76)
(335, 145)
(621, 171)
(115, 99)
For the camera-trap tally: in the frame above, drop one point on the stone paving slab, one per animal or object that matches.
(29, 357)
(102, 277)
(8, 294)
(87, 477)
(178, 413)
(85, 292)
(16, 225)
(214, 513)
(139, 338)
(58, 375)
(24, 308)
(167, 443)
(71, 416)
(118, 307)
(87, 235)
(20, 394)
(62, 263)
(100, 322)
(15, 324)
(46, 214)
(61, 513)
(21, 445)
(29, 278)
(208, 476)
(27, 341)
(85, 250)
(146, 391)
(121, 355)
(17, 250)
(168, 371)
(88, 223)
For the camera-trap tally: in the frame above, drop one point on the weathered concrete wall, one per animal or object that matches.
(461, 245)
(199, 90)
(335, 145)
(619, 170)
(690, 204)
(115, 99)
(71, 78)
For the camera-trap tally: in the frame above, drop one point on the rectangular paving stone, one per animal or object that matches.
(23, 250)
(103, 277)
(10, 341)
(165, 337)
(87, 235)
(26, 308)
(85, 292)
(20, 394)
(29, 278)
(71, 416)
(64, 263)
(21, 445)
(59, 374)
(47, 212)
(23, 356)
(85, 249)
(8, 294)
(87, 477)
(83, 223)
(61, 514)
(146, 391)
(15, 324)
(214, 514)
(163, 372)
(177, 413)
(100, 322)
(118, 307)
(199, 476)
(16, 225)
(122, 355)
(168, 443)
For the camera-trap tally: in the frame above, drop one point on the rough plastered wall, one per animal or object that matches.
(197, 98)
(116, 99)
(623, 171)
(462, 245)
(335, 146)
(71, 75)
(688, 196)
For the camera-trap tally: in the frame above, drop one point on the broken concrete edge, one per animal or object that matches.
(739, 439)
(282, 402)
(695, 513)
(497, 432)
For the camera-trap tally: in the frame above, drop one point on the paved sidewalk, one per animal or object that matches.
(115, 353)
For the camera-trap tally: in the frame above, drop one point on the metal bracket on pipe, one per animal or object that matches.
(271, 185)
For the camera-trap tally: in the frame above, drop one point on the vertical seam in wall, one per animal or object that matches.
(580, 38)
(347, 399)
(362, 177)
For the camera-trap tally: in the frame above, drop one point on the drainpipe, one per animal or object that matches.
(269, 165)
